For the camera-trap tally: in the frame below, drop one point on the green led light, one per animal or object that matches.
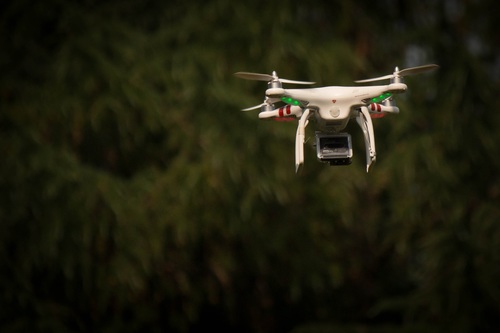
(380, 98)
(289, 100)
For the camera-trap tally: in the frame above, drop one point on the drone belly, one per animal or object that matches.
(332, 105)
(333, 116)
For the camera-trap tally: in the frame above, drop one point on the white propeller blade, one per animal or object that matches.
(267, 77)
(417, 70)
(296, 82)
(253, 76)
(403, 72)
(253, 107)
(380, 78)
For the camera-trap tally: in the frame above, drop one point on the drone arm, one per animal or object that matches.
(299, 140)
(285, 111)
(365, 122)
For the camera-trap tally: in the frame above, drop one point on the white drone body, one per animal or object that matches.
(332, 108)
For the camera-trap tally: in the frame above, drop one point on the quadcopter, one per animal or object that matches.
(332, 108)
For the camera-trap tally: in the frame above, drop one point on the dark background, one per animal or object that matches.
(134, 196)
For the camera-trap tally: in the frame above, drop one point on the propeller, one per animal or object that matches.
(400, 73)
(266, 77)
(254, 107)
(267, 105)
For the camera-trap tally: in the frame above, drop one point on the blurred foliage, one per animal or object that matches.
(136, 197)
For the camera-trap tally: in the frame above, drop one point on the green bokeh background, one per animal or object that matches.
(134, 196)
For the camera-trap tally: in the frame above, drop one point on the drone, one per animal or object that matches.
(332, 107)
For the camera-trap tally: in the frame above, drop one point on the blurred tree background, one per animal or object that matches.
(136, 197)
